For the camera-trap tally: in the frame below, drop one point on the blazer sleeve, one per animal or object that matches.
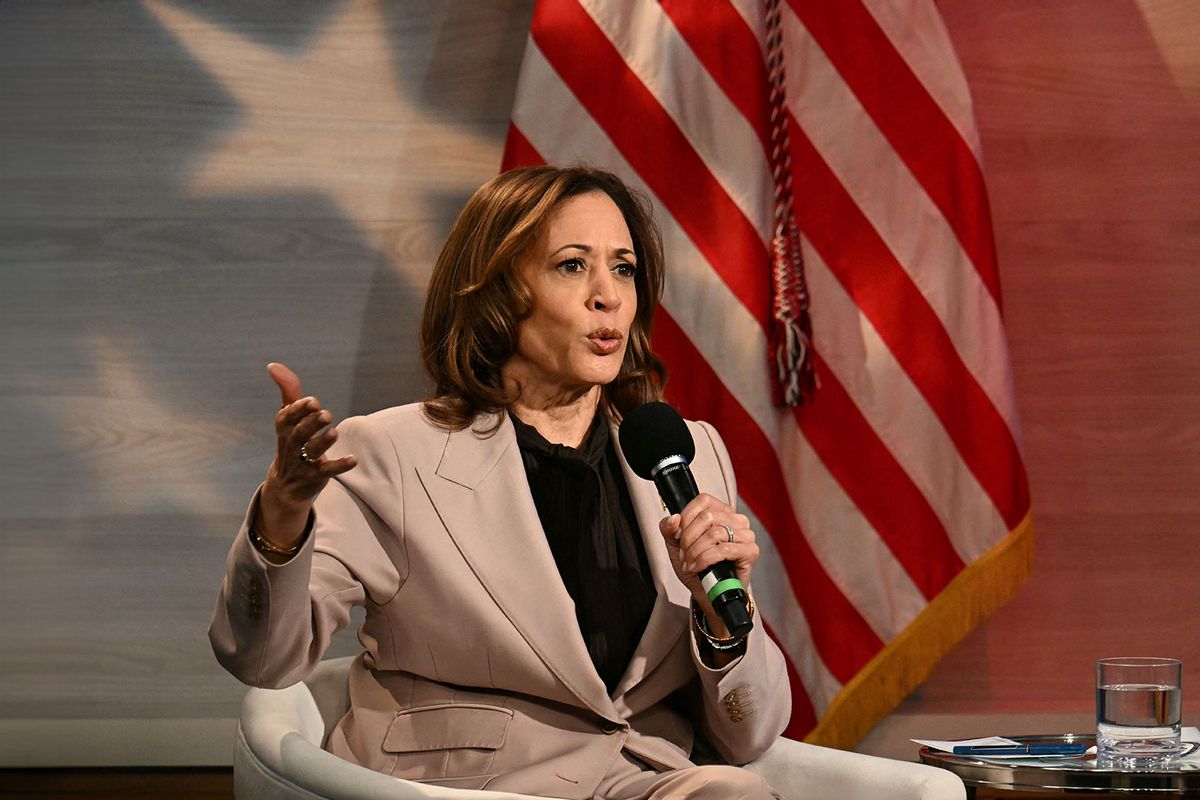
(747, 703)
(273, 622)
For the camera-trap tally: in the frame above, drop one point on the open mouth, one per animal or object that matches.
(605, 340)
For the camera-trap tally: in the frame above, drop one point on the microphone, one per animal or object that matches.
(659, 447)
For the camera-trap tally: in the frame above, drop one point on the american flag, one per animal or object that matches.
(892, 509)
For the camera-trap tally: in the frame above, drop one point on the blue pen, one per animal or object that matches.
(1021, 750)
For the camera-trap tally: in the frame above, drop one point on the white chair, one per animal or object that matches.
(278, 756)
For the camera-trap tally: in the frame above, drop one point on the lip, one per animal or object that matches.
(605, 341)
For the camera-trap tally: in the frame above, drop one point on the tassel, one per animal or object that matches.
(790, 337)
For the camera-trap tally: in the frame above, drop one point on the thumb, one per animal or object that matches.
(287, 381)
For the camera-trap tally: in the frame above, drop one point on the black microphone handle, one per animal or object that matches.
(677, 488)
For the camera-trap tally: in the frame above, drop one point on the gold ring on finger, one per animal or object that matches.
(728, 531)
(307, 459)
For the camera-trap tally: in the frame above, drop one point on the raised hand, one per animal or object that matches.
(300, 470)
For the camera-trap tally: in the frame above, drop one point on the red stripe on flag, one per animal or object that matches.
(518, 152)
(877, 282)
(843, 638)
(731, 53)
(804, 716)
(876, 483)
(593, 69)
(910, 119)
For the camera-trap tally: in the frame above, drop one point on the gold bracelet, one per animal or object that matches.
(262, 544)
(722, 645)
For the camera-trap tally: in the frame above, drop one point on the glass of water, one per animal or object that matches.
(1138, 702)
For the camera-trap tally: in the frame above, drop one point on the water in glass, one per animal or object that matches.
(1138, 721)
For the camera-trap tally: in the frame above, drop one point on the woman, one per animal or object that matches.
(529, 619)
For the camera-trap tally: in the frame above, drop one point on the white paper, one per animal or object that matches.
(948, 745)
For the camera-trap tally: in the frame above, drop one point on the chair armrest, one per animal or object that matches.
(278, 756)
(801, 771)
(328, 684)
(282, 730)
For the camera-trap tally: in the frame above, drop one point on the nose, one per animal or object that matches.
(604, 294)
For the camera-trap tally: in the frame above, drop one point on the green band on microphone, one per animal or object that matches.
(721, 587)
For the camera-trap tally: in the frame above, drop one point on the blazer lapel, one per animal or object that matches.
(482, 496)
(671, 613)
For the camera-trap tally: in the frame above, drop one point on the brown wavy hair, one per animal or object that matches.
(476, 300)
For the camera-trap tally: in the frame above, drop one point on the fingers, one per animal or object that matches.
(304, 425)
(701, 549)
(287, 381)
(291, 414)
(316, 446)
(336, 466)
(669, 528)
(303, 436)
(705, 503)
(743, 555)
(308, 426)
(702, 535)
(699, 537)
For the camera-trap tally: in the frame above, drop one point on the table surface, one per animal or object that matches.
(1067, 774)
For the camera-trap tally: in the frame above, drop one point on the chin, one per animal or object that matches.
(592, 381)
(605, 377)
(602, 373)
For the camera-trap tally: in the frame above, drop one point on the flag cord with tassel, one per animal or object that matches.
(790, 337)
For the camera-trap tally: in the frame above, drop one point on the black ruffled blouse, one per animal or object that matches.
(584, 507)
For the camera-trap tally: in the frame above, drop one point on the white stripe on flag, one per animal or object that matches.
(899, 415)
(899, 209)
(917, 31)
(851, 552)
(653, 48)
(776, 599)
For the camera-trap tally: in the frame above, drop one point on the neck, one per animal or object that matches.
(561, 419)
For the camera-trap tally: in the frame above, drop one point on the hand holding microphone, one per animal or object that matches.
(712, 547)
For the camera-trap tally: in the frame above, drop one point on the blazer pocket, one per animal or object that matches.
(447, 740)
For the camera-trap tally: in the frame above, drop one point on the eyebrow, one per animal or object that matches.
(620, 251)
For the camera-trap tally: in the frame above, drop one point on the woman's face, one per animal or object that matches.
(580, 273)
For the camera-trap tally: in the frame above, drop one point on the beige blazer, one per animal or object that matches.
(475, 673)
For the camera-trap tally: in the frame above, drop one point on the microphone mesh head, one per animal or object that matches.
(652, 432)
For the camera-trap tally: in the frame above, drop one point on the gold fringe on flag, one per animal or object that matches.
(980, 589)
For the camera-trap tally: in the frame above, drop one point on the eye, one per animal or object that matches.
(572, 266)
(625, 269)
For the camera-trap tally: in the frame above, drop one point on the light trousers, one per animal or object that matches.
(629, 780)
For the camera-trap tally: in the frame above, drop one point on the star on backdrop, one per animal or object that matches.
(330, 120)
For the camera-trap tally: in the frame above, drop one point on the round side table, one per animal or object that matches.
(1065, 777)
